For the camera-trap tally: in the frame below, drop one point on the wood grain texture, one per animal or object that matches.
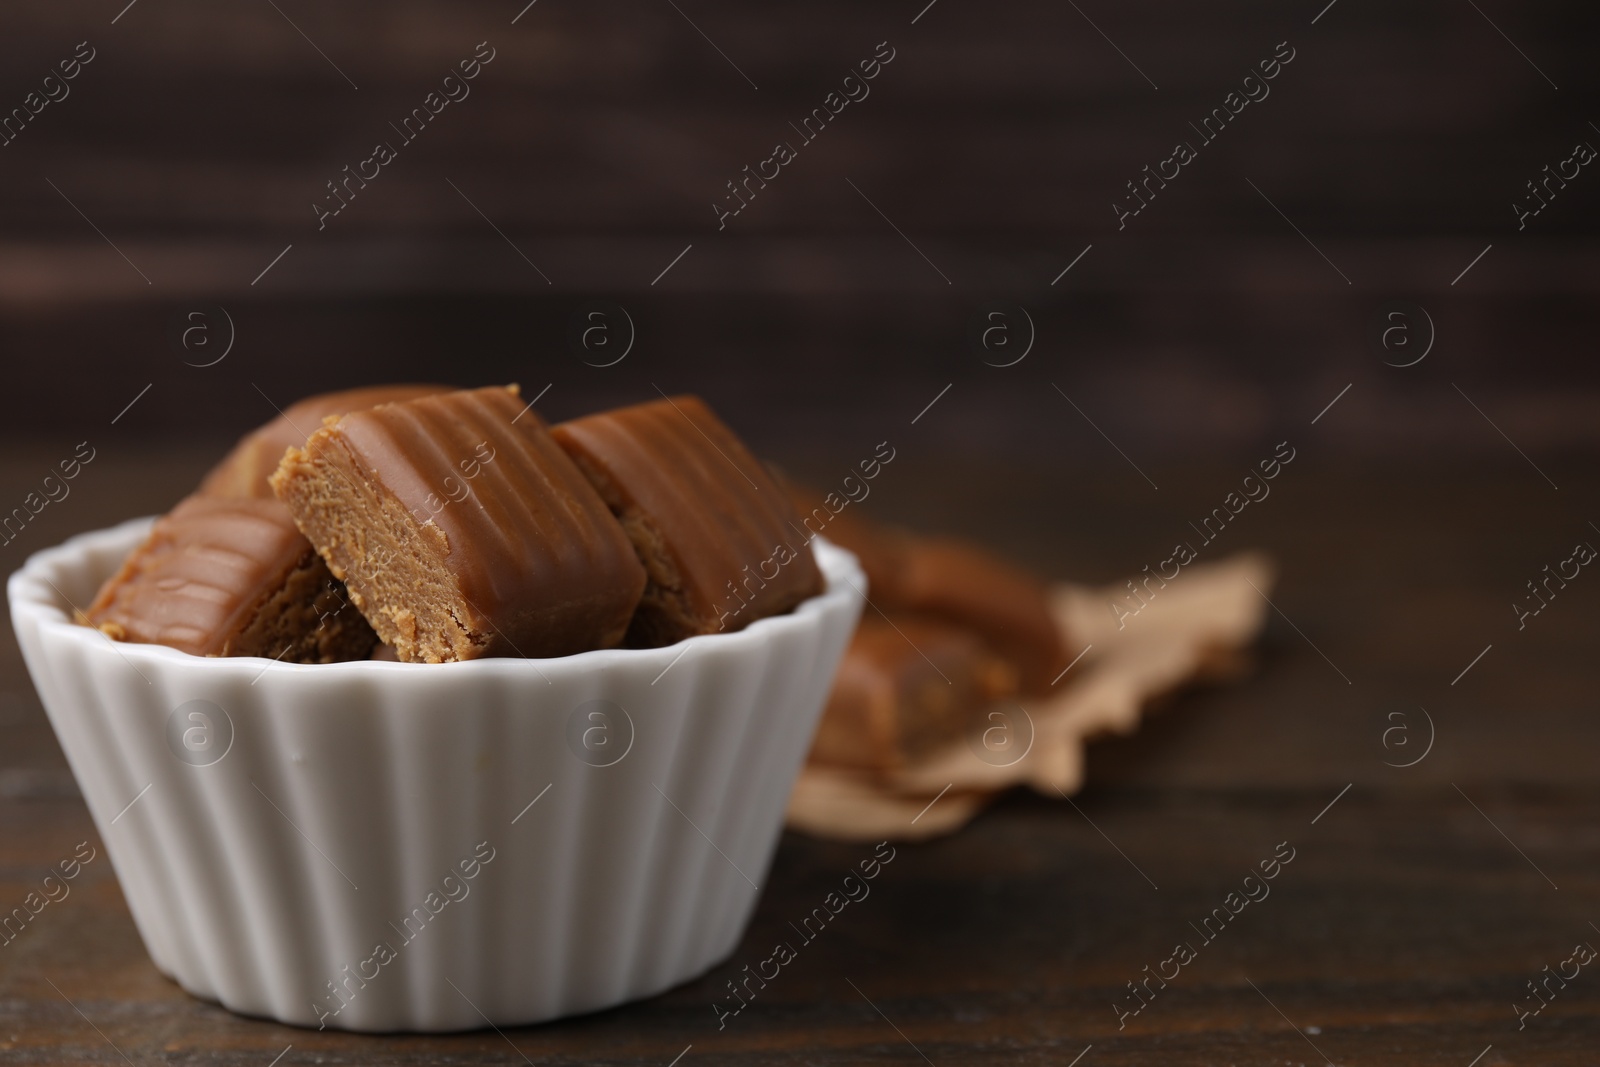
(996, 140)
(1404, 930)
(590, 152)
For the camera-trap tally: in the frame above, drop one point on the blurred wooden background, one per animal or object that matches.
(997, 139)
(1197, 338)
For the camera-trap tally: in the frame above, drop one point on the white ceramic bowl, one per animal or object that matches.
(273, 825)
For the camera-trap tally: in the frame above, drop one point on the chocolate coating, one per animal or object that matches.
(960, 582)
(879, 548)
(716, 533)
(244, 471)
(220, 577)
(948, 579)
(906, 688)
(462, 529)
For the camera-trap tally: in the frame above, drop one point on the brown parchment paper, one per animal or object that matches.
(1196, 628)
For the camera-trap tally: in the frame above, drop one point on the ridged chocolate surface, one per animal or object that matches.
(966, 584)
(194, 585)
(948, 579)
(724, 526)
(906, 687)
(531, 544)
(243, 472)
(878, 547)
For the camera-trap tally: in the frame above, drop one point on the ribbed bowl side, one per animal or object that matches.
(405, 847)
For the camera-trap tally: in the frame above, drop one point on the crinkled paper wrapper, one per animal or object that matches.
(1195, 629)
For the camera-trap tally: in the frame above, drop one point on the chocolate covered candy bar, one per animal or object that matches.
(948, 579)
(907, 688)
(244, 471)
(715, 532)
(879, 548)
(962, 583)
(221, 577)
(462, 529)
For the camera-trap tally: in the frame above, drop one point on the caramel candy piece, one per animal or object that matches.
(462, 529)
(960, 582)
(222, 577)
(244, 471)
(880, 549)
(716, 533)
(902, 693)
(951, 580)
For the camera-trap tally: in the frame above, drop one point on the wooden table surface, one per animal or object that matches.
(1419, 903)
